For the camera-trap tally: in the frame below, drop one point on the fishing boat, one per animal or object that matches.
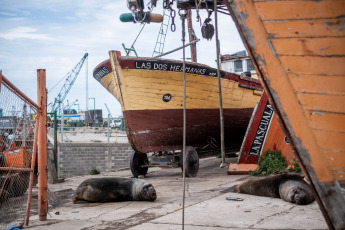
(297, 48)
(150, 91)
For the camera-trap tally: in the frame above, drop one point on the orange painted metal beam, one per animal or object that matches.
(33, 162)
(42, 145)
(16, 91)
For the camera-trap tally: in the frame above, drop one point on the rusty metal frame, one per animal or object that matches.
(19, 93)
(40, 139)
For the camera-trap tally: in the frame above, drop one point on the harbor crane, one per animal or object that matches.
(70, 79)
(108, 109)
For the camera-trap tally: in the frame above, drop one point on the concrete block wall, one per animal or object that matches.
(77, 159)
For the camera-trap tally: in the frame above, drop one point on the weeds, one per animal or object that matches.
(273, 162)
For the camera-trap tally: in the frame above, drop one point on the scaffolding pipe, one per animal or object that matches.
(42, 145)
(174, 50)
(33, 162)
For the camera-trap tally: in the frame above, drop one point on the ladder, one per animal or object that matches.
(162, 34)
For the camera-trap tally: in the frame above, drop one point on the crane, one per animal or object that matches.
(70, 79)
(108, 109)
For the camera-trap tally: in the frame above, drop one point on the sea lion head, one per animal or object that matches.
(297, 192)
(148, 193)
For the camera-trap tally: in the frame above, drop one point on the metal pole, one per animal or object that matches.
(183, 17)
(61, 124)
(42, 145)
(222, 165)
(181, 47)
(87, 84)
(55, 138)
(33, 162)
(94, 112)
(108, 127)
(19, 93)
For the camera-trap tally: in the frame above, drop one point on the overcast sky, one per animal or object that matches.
(55, 34)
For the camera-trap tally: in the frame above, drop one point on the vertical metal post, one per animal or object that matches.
(94, 111)
(33, 163)
(42, 145)
(222, 147)
(55, 138)
(87, 84)
(108, 127)
(61, 124)
(183, 15)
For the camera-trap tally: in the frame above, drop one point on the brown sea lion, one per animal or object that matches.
(290, 187)
(114, 189)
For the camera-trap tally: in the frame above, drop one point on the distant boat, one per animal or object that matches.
(150, 91)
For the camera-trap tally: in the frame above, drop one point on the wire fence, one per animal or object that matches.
(88, 135)
(17, 128)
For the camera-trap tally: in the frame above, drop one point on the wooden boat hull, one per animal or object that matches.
(297, 48)
(151, 95)
(165, 131)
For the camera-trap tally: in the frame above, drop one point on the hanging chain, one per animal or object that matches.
(168, 6)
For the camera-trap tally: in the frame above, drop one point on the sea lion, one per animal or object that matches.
(296, 191)
(114, 189)
(290, 187)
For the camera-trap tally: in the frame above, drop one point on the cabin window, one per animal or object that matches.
(250, 66)
(238, 66)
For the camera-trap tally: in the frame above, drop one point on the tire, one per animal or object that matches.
(137, 160)
(192, 166)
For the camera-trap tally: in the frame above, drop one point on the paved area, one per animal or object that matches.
(206, 206)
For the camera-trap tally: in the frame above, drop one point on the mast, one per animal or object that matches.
(192, 36)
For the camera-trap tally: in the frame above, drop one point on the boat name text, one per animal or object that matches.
(100, 73)
(150, 65)
(260, 135)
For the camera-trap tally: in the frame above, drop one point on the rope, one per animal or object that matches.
(135, 40)
(183, 17)
(141, 27)
(222, 165)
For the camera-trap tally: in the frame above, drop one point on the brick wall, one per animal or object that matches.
(76, 159)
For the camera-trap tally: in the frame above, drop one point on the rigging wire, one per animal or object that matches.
(222, 165)
(183, 16)
(144, 24)
(58, 83)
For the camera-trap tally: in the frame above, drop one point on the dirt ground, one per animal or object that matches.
(206, 206)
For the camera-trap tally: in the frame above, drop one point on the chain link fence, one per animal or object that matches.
(17, 127)
(87, 135)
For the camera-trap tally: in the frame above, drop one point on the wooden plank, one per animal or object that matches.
(322, 102)
(314, 65)
(309, 46)
(336, 159)
(331, 140)
(339, 176)
(306, 28)
(326, 120)
(202, 91)
(241, 169)
(318, 84)
(282, 10)
(255, 35)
